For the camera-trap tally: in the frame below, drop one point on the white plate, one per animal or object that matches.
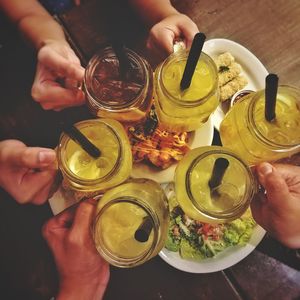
(253, 69)
(200, 137)
(223, 260)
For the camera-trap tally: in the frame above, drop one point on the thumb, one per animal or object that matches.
(31, 157)
(84, 217)
(273, 182)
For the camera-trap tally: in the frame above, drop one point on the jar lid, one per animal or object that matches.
(79, 165)
(125, 233)
(227, 199)
(283, 131)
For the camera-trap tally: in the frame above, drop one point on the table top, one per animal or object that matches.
(27, 270)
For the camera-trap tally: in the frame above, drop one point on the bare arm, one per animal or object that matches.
(153, 11)
(33, 21)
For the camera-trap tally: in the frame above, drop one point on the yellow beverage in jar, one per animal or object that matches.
(121, 212)
(223, 203)
(85, 173)
(246, 131)
(185, 110)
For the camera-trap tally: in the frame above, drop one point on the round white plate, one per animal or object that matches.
(253, 70)
(201, 137)
(223, 260)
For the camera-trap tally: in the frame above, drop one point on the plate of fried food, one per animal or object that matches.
(156, 152)
(238, 69)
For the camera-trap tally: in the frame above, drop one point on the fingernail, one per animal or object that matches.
(265, 169)
(46, 156)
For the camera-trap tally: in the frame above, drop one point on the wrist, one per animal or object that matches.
(74, 290)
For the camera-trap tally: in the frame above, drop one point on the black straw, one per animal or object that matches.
(270, 97)
(144, 230)
(220, 166)
(192, 60)
(124, 62)
(76, 135)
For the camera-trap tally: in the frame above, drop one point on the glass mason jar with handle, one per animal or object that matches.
(185, 110)
(131, 223)
(85, 173)
(211, 193)
(121, 92)
(246, 131)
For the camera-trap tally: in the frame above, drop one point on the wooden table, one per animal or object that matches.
(27, 271)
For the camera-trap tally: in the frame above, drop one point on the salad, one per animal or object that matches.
(197, 240)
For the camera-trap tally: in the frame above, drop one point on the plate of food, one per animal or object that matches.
(238, 69)
(156, 156)
(197, 247)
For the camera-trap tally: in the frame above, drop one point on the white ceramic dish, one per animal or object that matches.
(200, 137)
(223, 260)
(253, 69)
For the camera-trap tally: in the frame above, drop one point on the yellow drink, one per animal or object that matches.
(86, 173)
(223, 203)
(245, 130)
(120, 213)
(185, 110)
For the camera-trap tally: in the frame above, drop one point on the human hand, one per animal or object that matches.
(83, 272)
(57, 77)
(27, 173)
(278, 211)
(163, 34)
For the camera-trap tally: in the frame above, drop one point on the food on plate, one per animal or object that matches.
(230, 78)
(197, 240)
(160, 148)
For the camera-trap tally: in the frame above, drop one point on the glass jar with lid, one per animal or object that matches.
(131, 223)
(84, 173)
(246, 131)
(202, 200)
(189, 109)
(121, 94)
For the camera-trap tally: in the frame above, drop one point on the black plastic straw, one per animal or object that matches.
(77, 136)
(270, 97)
(144, 230)
(124, 63)
(220, 166)
(192, 60)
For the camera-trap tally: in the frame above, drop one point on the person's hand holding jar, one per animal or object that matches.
(83, 273)
(167, 25)
(278, 209)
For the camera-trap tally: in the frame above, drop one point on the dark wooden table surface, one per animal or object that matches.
(269, 29)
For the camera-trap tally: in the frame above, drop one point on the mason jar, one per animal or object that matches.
(125, 95)
(84, 173)
(131, 223)
(246, 131)
(189, 109)
(213, 202)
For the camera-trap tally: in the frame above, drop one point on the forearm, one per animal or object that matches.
(89, 291)
(34, 22)
(47, 30)
(153, 11)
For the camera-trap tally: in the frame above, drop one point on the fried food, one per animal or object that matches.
(230, 78)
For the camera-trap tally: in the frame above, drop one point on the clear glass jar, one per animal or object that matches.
(246, 131)
(222, 203)
(121, 213)
(111, 94)
(185, 110)
(84, 173)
